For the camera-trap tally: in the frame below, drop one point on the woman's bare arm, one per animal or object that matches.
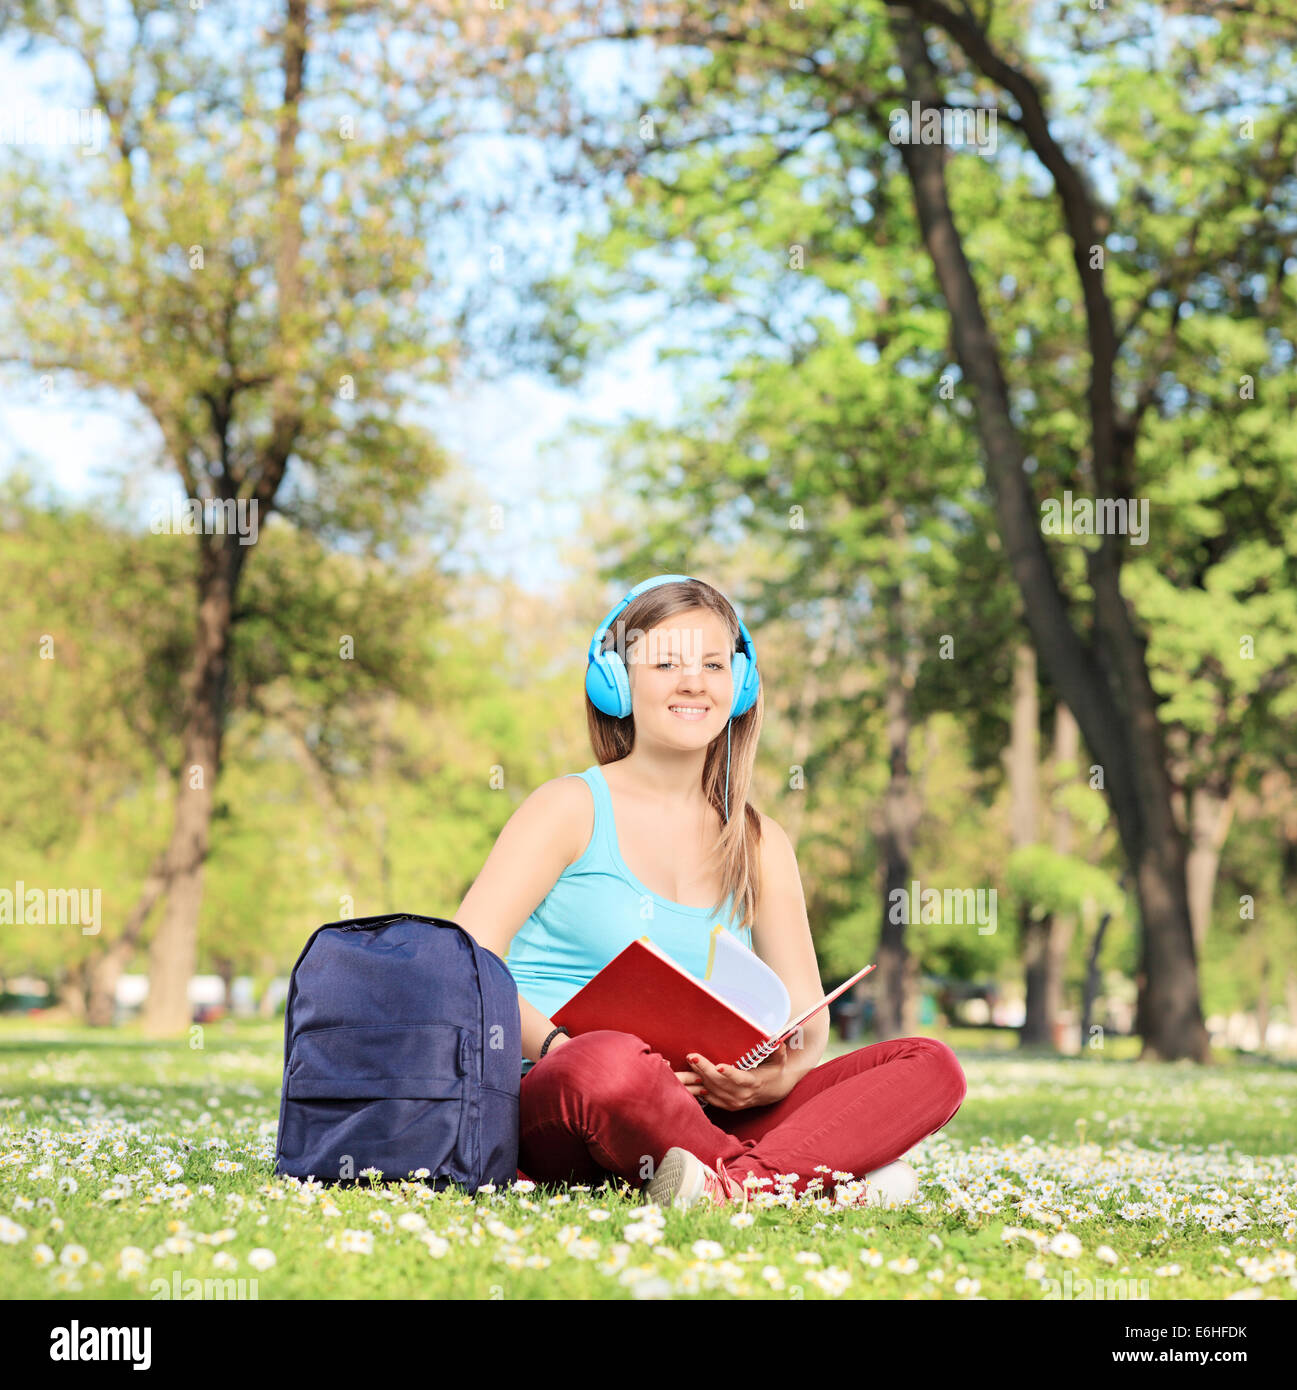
(537, 843)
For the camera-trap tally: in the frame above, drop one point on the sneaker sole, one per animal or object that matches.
(678, 1180)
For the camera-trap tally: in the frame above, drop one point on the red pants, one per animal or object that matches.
(606, 1106)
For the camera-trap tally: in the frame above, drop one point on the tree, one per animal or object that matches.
(94, 626)
(1064, 397)
(1104, 679)
(248, 262)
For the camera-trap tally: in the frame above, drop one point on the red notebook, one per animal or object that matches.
(643, 991)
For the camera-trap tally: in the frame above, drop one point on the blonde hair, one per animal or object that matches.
(612, 739)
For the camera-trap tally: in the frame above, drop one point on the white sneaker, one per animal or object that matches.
(892, 1185)
(683, 1178)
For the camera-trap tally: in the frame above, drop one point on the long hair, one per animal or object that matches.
(613, 738)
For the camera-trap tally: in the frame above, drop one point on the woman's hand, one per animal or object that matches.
(731, 1088)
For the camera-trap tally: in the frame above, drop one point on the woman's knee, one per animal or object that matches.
(950, 1071)
(603, 1063)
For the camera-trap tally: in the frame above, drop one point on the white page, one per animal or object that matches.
(741, 978)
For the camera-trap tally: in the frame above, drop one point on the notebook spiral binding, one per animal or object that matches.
(757, 1055)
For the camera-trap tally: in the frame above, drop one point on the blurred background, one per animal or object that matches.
(355, 357)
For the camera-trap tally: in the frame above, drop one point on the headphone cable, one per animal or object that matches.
(729, 724)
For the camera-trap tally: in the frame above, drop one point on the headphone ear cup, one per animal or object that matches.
(743, 697)
(621, 684)
(601, 687)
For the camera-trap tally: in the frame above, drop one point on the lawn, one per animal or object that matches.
(132, 1169)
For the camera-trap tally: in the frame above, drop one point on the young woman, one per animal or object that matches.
(659, 839)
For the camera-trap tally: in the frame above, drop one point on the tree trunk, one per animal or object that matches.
(900, 814)
(1287, 819)
(1023, 752)
(1022, 760)
(1105, 679)
(1036, 1028)
(101, 994)
(1059, 928)
(1209, 817)
(896, 846)
(174, 951)
(225, 969)
(1091, 991)
(911, 995)
(265, 1009)
(106, 968)
(70, 990)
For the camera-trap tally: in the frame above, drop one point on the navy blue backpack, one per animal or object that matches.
(402, 1051)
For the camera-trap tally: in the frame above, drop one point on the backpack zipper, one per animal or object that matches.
(371, 923)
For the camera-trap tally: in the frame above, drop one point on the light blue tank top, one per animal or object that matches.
(595, 909)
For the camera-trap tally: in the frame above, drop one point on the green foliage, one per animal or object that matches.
(827, 425)
(1045, 882)
(825, 469)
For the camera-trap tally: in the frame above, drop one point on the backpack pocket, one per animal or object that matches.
(390, 1097)
(499, 1146)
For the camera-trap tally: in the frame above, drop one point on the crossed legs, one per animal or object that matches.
(606, 1105)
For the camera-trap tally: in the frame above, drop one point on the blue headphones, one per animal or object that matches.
(607, 682)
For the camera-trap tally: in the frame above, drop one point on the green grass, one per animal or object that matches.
(1175, 1179)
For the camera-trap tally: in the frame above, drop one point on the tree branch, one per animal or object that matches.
(1081, 220)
